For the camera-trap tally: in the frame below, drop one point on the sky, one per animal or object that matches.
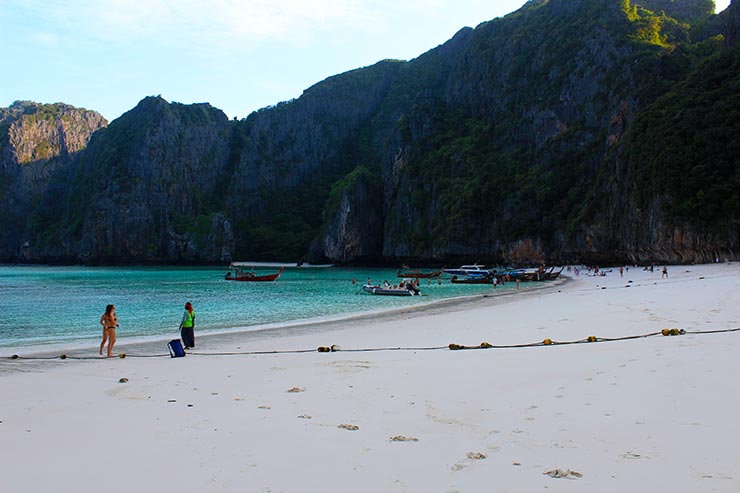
(238, 55)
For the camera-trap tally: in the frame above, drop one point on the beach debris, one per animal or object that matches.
(515, 463)
(305, 416)
(264, 407)
(295, 390)
(401, 438)
(171, 400)
(190, 405)
(238, 399)
(123, 380)
(563, 473)
(458, 467)
(632, 455)
(476, 456)
(349, 427)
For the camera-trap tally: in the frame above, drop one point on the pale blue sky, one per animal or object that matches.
(238, 55)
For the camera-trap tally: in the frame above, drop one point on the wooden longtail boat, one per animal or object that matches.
(539, 275)
(240, 275)
(417, 274)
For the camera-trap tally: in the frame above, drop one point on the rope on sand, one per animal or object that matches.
(453, 347)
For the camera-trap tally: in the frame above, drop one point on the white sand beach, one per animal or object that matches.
(645, 414)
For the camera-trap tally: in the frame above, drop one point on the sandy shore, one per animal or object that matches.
(647, 414)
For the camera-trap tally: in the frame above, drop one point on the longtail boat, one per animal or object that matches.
(240, 275)
(417, 274)
(540, 274)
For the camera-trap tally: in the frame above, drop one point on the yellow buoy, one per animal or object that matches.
(485, 345)
(591, 338)
(547, 342)
(666, 332)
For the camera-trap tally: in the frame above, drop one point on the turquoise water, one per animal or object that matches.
(51, 307)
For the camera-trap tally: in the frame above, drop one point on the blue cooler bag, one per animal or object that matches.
(175, 347)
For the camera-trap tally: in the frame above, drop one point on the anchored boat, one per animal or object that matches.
(418, 274)
(468, 270)
(236, 274)
(403, 289)
(480, 279)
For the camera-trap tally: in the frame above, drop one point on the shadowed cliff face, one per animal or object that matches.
(152, 183)
(570, 130)
(37, 142)
(733, 24)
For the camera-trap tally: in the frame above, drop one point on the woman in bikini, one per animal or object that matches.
(109, 321)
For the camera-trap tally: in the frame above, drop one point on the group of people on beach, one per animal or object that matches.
(109, 321)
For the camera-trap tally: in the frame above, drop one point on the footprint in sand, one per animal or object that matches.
(401, 438)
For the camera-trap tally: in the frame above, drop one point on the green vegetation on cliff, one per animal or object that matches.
(583, 129)
(685, 146)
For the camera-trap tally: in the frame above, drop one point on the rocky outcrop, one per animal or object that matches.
(38, 142)
(146, 189)
(354, 231)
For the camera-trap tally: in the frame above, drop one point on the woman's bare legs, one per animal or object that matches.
(105, 339)
(111, 341)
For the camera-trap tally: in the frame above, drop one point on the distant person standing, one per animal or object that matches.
(187, 326)
(109, 321)
(665, 271)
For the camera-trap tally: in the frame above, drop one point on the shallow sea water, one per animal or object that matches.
(54, 306)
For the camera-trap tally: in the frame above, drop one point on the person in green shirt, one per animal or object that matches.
(187, 326)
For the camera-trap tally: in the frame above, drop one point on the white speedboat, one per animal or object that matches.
(468, 270)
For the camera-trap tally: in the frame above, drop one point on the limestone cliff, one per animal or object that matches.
(569, 130)
(37, 141)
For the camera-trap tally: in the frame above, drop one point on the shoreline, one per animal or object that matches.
(219, 339)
